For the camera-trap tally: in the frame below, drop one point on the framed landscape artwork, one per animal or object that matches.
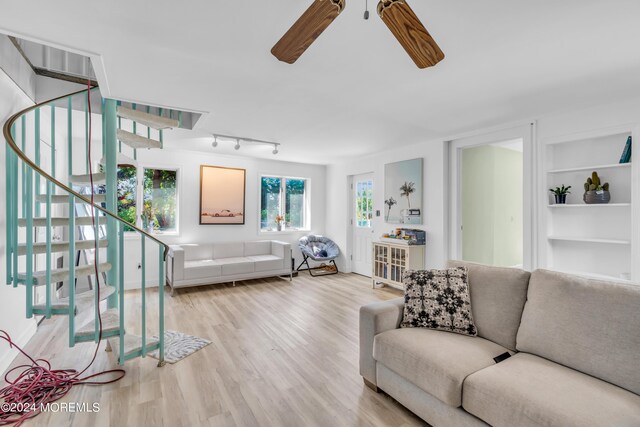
(403, 192)
(222, 195)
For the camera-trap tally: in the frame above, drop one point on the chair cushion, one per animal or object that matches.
(318, 248)
(267, 262)
(592, 326)
(498, 295)
(257, 248)
(228, 250)
(435, 361)
(236, 265)
(201, 269)
(527, 390)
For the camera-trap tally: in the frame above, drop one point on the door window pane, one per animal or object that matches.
(364, 204)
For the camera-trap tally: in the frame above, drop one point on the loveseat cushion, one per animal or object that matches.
(257, 248)
(592, 326)
(201, 269)
(267, 262)
(228, 250)
(236, 265)
(435, 361)
(195, 251)
(527, 390)
(498, 295)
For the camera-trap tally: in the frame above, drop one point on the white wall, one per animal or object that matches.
(435, 198)
(188, 163)
(12, 301)
(338, 198)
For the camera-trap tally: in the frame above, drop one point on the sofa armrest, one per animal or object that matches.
(282, 250)
(374, 319)
(175, 264)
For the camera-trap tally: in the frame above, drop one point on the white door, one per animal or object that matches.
(362, 220)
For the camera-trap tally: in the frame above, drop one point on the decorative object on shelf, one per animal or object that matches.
(561, 194)
(596, 192)
(222, 195)
(403, 187)
(626, 153)
(279, 222)
(405, 236)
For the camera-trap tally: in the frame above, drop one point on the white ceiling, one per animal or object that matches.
(355, 90)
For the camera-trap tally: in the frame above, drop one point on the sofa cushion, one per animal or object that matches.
(201, 269)
(228, 250)
(589, 325)
(526, 390)
(498, 295)
(435, 361)
(193, 251)
(257, 248)
(438, 299)
(267, 262)
(236, 265)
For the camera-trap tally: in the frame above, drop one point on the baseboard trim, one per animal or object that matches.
(22, 341)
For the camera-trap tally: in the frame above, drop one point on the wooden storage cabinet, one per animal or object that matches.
(390, 261)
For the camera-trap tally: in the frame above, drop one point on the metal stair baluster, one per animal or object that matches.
(72, 270)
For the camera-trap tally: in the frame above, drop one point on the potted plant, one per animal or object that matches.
(561, 194)
(279, 221)
(594, 191)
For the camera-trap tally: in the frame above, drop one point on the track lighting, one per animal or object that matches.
(218, 137)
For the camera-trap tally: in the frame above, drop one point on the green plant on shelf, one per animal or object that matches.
(593, 183)
(560, 191)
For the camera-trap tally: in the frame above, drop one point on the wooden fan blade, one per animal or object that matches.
(307, 28)
(412, 35)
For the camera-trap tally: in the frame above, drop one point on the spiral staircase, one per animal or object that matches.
(45, 194)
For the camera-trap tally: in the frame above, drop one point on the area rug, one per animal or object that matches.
(177, 346)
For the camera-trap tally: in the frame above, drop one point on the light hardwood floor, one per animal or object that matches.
(283, 354)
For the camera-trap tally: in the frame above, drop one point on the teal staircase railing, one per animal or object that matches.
(40, 202)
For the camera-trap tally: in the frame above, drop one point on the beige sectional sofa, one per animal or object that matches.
(575, 346)
(210, 263)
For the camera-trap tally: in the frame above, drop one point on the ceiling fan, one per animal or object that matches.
(396, 14)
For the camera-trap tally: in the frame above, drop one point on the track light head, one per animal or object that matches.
(237, 146)
(214, 144)
(275, 150)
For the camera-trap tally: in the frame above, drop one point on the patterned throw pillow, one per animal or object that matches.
(438, 299)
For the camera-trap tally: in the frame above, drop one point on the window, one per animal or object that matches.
(283, 203)
(156, 191)
(160, 197)
(127, 194)
(364, 204)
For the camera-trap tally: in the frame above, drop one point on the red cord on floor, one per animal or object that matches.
(37, 385)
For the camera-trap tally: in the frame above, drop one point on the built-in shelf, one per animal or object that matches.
(598, 276)
(590, 240)
(595, 205)
(591, 168)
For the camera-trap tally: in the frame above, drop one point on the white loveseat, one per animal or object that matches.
(209, 263)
